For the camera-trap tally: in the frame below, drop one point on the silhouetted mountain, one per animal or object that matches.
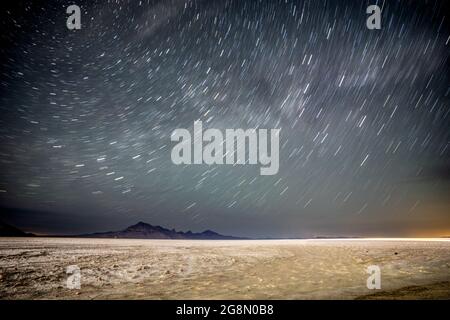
(143, 230)
(7, 230)
(336, 237)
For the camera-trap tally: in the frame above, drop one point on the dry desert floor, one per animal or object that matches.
(36, 268)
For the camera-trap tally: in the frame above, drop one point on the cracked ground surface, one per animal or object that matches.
(35, 268)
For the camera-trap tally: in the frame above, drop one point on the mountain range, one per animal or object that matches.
(143, 230)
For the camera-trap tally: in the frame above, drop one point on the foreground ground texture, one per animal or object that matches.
(35, 268)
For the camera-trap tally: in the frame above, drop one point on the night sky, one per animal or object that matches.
(86, 116)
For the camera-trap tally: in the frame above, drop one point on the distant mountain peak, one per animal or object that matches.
(140, 225)
(143, 230)
(7, 230)
(209, 232)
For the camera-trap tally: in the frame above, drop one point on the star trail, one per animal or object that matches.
(86, 116)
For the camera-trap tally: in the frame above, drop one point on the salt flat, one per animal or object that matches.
(35, 268)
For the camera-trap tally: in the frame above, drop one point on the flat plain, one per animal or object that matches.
(36, 268)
